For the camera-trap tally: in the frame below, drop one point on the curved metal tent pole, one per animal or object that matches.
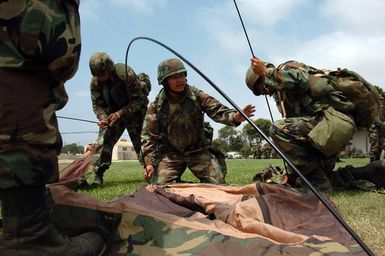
(319, 196)
(77, 119)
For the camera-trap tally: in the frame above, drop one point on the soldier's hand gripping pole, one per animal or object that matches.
(319, 196)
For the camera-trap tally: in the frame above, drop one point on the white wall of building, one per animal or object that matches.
(360, 140)
(124, 150)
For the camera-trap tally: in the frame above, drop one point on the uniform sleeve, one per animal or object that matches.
(379, 120)
(41, 36)
(145, 83)
(216, 110)
(291, 79)
(150, 136)
(137, 100)
(97, 100)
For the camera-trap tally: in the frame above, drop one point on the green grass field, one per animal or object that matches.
(363, 211)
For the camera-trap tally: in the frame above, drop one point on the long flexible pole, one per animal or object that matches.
(83, 132)
(244, 29)
(77, 119)
(319, 196)
(252, 53)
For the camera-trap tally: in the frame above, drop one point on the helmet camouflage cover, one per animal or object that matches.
(168, 68)
(100, 62)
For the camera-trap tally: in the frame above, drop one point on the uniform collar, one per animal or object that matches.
(162, 97)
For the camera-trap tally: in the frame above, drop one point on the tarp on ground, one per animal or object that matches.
(204, 219)
(76, 172)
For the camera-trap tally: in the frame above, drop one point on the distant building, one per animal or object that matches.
(361, 141)
(124, 150)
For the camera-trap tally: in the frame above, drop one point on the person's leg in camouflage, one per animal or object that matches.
(27, 229)
(111, 136)
(221, 158)
(381, 144)
(206, 167)
(375, 147)
(170, 169)
(134, 129)
(291, 136)
(26, 166)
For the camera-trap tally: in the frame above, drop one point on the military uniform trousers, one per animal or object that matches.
(203, 164)
(29, 136)
(113, 133)
(377, 143)
(290, 135)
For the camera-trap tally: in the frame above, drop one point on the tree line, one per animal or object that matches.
(242, 141)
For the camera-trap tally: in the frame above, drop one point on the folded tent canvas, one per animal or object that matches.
(205, 219)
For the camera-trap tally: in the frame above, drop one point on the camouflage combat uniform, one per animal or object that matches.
(36, 59)
(294, 90)
(39, 50)
(377, 135)
(266, 151)
(129, 99)
(257, 151)
(173, 136)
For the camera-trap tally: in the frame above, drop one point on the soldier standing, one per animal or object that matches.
(266, 149)
(173, 136)
(119, 100)
(304, 96)
(377, 134)
(40, 50)
(257, 151)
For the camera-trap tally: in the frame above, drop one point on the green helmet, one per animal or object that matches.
(100, 62)
(251, 78)
(168, 68)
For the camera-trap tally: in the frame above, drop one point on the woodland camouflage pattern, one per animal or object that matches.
(303, 94)
(100, 63)
(207, 219)
(126, 94)
(168, 68)
(174, 133)
(127, 97)
(35, 61)
(145, 236)
(377, 134)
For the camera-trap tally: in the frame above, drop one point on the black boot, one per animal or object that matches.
(98, 180)
(373, 172)
(28, 231)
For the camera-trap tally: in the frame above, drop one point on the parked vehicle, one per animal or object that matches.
(233, 155)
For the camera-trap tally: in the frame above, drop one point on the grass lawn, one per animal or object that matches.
(363, 211)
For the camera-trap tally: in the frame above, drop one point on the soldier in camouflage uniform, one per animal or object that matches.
(39, 51)
(294, 87)
(377, 134)
(257, 151)
(119, 100)
(173, 136)
(219, 155)
(266, 151)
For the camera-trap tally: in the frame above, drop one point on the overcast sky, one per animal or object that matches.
(325, 34)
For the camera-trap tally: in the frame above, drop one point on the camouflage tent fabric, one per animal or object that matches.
(75, 174)
(206, 219)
